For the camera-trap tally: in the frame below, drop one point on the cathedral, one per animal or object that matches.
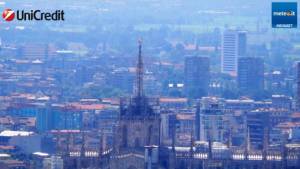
(137, 143)
(137, 136)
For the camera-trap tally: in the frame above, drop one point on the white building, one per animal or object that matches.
(234, 44)
(213, 123)
(27, 141)
(54, 162)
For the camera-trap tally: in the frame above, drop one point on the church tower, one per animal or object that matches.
(139, 124)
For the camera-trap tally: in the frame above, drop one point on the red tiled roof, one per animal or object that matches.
(173, 100)
(295, 115)
(87, 106)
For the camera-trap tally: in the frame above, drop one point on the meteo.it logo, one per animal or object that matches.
(284, 15)
(33, 15)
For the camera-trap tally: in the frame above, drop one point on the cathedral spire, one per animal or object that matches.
(139, 73)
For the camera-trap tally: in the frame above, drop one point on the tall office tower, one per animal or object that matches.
(37, 50)
(234, 45)
(197, 76)
(122, 78)
(250, 75)
(298, 86)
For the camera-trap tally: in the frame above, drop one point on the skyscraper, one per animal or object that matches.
(234, 44)
(197, 76)
(250, 74)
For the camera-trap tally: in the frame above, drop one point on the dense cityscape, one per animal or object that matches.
(149, 84)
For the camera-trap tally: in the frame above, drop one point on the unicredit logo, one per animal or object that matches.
(33, 15)
(8, 14)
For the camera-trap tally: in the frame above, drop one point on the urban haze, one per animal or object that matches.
(149, 84)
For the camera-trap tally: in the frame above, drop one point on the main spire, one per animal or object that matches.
(139, 91)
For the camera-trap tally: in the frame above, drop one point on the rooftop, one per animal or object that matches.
(163, 100)
(41, 154)
(4, 155)
(9, 133)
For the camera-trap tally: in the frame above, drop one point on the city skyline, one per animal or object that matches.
(149, 84)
